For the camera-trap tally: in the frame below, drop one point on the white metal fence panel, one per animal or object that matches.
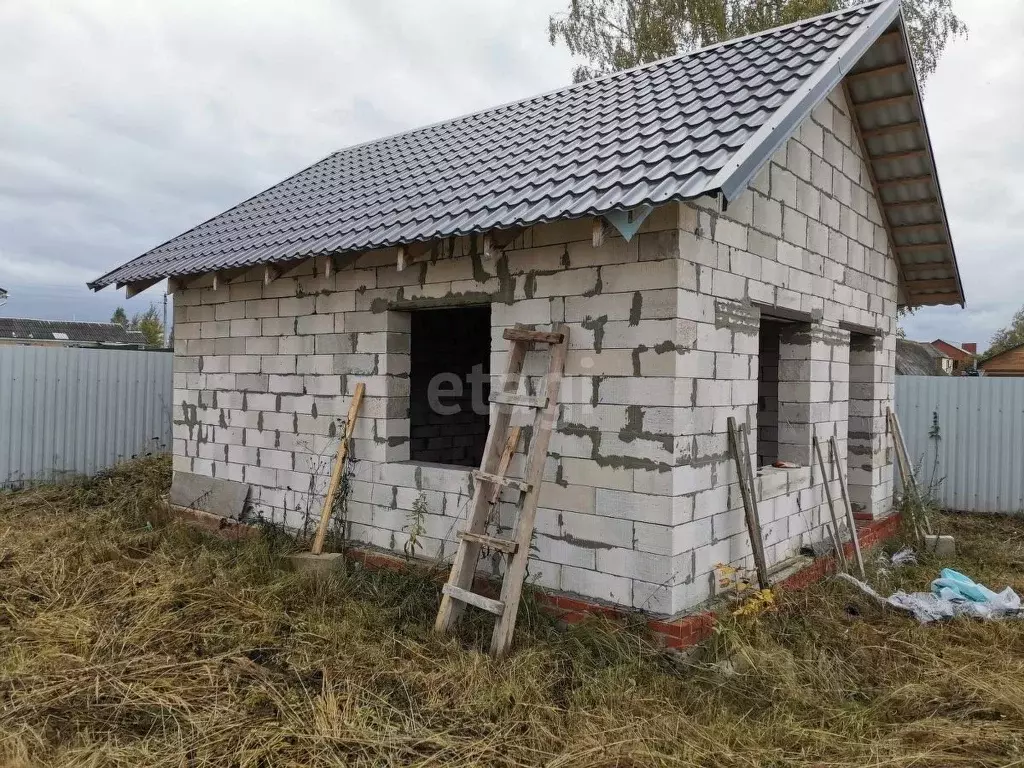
(977, 450)
(72, 411)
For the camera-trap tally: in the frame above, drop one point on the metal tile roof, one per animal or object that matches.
(24, 328)
(695, 124)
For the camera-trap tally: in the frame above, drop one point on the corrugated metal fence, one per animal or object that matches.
(968, 433)
(69, 411)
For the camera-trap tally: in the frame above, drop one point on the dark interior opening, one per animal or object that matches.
(449, 385)
(769, 342)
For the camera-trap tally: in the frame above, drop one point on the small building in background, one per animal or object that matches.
(919, 358)
(1009, 362)
(963, 356)
(63, 333)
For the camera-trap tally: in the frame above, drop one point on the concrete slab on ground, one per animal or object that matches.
(944, 546)
(307, 562)
(209, 494)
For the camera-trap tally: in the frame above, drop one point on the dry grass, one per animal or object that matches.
(129, 640)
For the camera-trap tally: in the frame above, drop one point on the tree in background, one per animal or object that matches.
(617, 34)
(148, 323)
(1010, 336)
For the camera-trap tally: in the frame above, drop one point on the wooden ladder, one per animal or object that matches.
(490, 480)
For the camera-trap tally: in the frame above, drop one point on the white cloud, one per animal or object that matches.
(127, 123)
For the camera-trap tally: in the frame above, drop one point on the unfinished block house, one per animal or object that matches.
(726, 233)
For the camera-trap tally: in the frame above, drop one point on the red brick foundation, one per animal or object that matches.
(678, 634)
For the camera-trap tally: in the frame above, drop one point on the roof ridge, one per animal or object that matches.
(607, 76)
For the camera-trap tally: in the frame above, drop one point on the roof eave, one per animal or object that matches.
(941, 201)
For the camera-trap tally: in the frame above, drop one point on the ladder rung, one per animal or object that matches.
(514, 398)
(524, 334)
(465, 596)
(508, 482)
(502, 545)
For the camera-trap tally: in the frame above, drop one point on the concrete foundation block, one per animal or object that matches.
(943, 546)
(321, 565)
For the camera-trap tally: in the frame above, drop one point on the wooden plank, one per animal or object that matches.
(134, 289)
(336, 473)
(747, 453)
(912, 203)
(921, 267)
(502, 545)
(749, 507)
(506, 459)
(922, 227)
(270, 274)
(889, 37)
(903, 465)
(525, 334)
(867, 74)
(472, 598)
(888, 130)
(903, 155)
(886, 102)
(520, 401)
(922, 247)
(512, 585)
(464, 563)
(931, 285)
(507, 482)
(905, 181)
(597, 232)
(940, 298)
(845, 492)
(840, 553)
(325, 268)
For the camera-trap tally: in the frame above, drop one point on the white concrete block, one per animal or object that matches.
(603, 586)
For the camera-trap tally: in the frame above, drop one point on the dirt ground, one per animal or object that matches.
(130, 640)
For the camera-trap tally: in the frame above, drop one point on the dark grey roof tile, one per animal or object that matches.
(660, 132)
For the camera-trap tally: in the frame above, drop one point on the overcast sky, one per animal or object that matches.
(125, 123)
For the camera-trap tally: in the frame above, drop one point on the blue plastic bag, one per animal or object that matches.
(952, 585)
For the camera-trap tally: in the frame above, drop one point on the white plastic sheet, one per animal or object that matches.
(948, 602)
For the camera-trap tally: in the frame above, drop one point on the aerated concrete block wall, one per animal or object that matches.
(640, 499)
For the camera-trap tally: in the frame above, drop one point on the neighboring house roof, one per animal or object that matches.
(952, 350)
(1009, 358)
(67, 331)
(918, 358)
(3, 293)
(698, 124)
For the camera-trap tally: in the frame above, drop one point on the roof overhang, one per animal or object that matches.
(884, 94)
